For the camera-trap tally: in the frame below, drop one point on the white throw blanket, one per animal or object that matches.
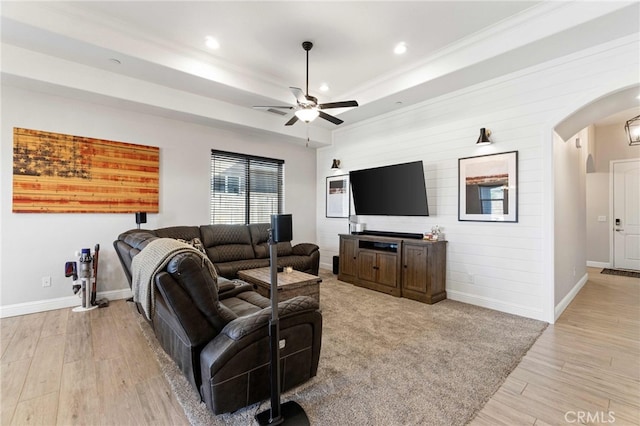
(151, 260)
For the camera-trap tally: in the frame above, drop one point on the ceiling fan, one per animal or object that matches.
(308, 108)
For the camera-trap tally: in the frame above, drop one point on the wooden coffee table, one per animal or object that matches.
(290, 284)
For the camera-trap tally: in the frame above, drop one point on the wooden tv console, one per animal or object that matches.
(402, 267)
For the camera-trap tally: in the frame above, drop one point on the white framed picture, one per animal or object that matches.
(338, 196)
(488, 188)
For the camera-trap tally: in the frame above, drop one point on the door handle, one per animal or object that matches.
(618, 230)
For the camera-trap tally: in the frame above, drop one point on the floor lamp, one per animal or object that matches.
(289, 413)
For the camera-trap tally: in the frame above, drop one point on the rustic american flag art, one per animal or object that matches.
(58, 173)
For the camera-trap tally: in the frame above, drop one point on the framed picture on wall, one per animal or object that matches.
(338, 196)
(488, 188)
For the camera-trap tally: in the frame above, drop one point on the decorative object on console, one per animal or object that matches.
(484, 137)
(337, 196)
(632, 128)
(488, 188)
(435, 234)
(290, 412)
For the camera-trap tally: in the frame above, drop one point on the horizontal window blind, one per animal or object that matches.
(244, 188)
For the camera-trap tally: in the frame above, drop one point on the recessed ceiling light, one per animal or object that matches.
(324, 87)
(400, 48)
(212, 43)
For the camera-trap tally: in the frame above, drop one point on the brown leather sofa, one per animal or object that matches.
(216, 329)
(231, 248)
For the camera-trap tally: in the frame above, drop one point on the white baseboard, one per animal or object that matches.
(593, 264)
(59, 303)
(497, 305)
(560, 307)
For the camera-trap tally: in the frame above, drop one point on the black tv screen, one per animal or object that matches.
(397, 190)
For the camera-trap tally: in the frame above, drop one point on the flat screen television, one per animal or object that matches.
(397, 190)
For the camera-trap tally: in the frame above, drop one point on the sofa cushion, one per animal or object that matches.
(260, 241)
(246, 303)
(226, 243)
(230, 269)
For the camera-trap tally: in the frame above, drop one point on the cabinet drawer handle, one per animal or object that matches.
(375, 267)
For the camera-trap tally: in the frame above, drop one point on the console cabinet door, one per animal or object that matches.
(367, 265)
(348, 259)
(380, 268)
(423, 271)
(414, 275)
(387, 271)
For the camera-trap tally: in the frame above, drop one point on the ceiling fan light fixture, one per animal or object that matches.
(307, 114)
(212, 43)
(400, 48)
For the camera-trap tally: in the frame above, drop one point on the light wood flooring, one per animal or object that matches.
(94, 368)
(583, 369)
(90, 368)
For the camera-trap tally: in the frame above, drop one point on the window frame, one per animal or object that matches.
(247, 172)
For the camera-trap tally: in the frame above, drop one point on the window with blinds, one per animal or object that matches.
(244, 188)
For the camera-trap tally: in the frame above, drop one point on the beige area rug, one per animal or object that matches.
(390, 361)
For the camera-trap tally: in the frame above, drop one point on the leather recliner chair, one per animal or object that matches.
(216, 330)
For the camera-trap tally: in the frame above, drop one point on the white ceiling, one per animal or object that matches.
(451, 44)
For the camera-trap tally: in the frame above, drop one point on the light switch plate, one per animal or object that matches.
(602, 218)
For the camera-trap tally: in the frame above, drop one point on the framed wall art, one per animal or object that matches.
(488, 188)
(60, 173)
(338, 196)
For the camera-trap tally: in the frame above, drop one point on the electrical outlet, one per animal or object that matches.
(46, 281)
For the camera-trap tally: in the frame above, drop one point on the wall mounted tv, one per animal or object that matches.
(396, 190)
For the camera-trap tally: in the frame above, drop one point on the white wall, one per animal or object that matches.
(505, 266)
(611, 143)
(37, 245)
(570, 214)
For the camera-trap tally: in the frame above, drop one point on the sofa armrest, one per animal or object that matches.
(305, 249)
(243, 326)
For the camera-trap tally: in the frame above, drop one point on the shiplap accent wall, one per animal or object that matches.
(504, 266)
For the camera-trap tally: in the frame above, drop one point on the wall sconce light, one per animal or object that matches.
(335, 165)
(141, 217)
(632, 127)
(484, 137)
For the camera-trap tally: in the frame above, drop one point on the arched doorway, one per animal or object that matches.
(569, 155)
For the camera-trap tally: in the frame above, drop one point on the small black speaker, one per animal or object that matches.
(281, 228)
(141, 217)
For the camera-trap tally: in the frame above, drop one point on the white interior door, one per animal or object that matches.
(626, 214)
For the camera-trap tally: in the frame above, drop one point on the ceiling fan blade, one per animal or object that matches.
(343, 104)
(269, 107)
(299, 94)
(292, 121)
(331, 118)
